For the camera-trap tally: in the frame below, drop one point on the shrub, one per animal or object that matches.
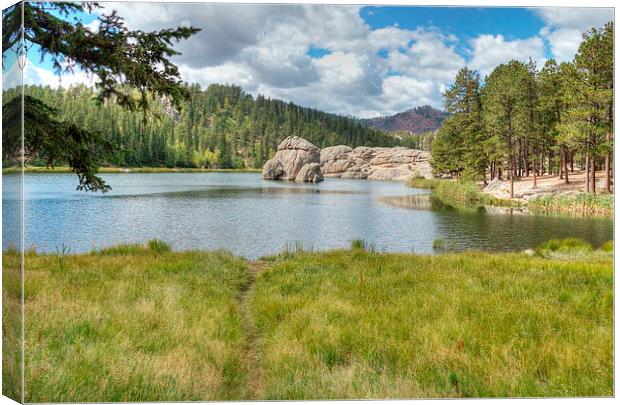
(564, 247)
(420, 182)
(361, 244)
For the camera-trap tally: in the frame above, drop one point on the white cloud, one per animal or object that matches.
(36, 75)
(263, 48)
(367, 72)
(488, 51)
(565, 26)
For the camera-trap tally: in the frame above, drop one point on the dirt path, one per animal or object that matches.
(251, 348)
(545, 184)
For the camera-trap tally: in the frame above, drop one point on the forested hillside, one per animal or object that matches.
(218, 127)
(419, 120)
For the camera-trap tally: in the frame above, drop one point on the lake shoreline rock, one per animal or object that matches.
(299, 160)
(296, 160)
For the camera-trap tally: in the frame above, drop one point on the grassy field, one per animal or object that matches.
(134, 324)
(66, 169)
(139, 323)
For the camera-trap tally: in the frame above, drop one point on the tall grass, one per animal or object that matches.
(11, 325)
(462, 194)
(135, 327)
(451, 325)
(578, 204)
(133, 324)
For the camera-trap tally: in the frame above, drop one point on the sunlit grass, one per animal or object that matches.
(142, 323)
(11, 325)
(576, 204)
(451, 325)
(134, 324)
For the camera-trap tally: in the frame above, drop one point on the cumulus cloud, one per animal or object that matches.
(488, 51)
(362, 72)
(564, 27)
(264, 49)
(36, 75)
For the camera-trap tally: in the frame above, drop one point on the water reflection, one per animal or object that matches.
(252, 217)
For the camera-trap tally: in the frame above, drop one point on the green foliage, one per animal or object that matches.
(109, 53)
(158, 246)
(429, 184)
(576, 204)
(608, 246)
(62, 254)
(53, 140)
(458, 146)
(524, 120)
(565, 248)
(361, 244)
(218, 127)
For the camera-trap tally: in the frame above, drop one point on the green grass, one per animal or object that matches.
(578, 204)
(461, 194)
(140, 322)
(66, 169)
(11, 325)
(452, 325)
(428, 184)
(135, 325)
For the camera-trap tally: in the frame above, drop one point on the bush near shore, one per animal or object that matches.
(138, 323)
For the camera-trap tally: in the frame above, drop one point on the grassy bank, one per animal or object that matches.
(134, 324)
(466, 194)
(578, 204)
(461, 194)
(139, 323)
(66, 169)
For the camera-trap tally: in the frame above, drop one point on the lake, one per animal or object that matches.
(253, 217)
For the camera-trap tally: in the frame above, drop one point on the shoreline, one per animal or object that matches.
(128, 170)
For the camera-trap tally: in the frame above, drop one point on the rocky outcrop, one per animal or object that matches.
(398, 163)
(296, 159)
(299, 160)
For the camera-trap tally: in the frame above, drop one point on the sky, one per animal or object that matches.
(351, 60)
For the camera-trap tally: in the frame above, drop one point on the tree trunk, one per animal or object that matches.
(587, 174)
(550, 168)
(565, 166)
(608, 167)
(593, 176)
(534, 173)
(561, 165)
(511, 171)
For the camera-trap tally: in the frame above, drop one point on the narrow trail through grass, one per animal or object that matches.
(145, 323)
(251, 348)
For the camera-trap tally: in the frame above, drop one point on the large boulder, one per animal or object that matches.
(293, 154)
(299, 160)
(335, 160)
(363, 162)
(310, 173)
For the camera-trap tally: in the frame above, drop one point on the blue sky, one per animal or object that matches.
(361, 61)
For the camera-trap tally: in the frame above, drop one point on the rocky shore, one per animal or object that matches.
(299, 160)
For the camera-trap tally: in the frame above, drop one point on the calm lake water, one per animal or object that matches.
(253, 217)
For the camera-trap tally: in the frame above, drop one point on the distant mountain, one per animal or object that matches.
(415, 121)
